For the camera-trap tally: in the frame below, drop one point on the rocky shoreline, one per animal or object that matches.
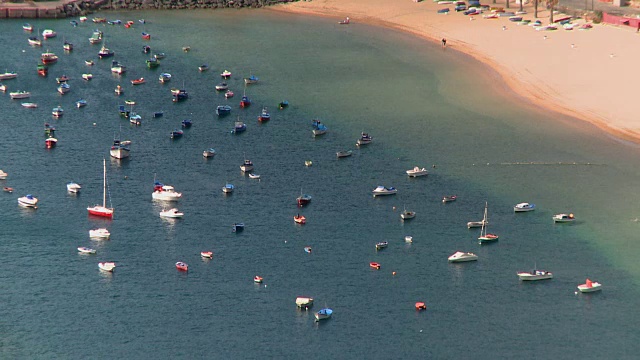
(72, 8)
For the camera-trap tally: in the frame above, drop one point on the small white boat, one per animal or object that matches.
(304, 302)
(223, 86)
(308, 163)
(206, 254)
(57, 111)
(408, 238)
(524, 207)
(226, 74)
(101, 233)
(364, 139)
(165, 193)
(342, 154)
(171, 213)
(417, 171)
(3, 87)
(81, 103)
(460, 256)
(48, 33)
(449, 198)
(20, 94)
(381, 190)
(590, 286)
(86, 250)
(87, 76)
(28, 201)
(247, 165)
(29, 105)
(73, 188)
(3, 175)
(164, 77)
(406, 214)
(563, 218)
(107, 266)
(254, 176)
(475, 224)
(534, 275)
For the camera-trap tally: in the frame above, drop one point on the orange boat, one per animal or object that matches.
(375, 265)
(206, 254)
(137, 81)
(7, 189)
(421, 306)
(182, 266)
(299, 219)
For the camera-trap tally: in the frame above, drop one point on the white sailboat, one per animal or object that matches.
(103, 210)
(484, 237)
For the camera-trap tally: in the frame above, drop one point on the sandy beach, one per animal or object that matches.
(586, 74)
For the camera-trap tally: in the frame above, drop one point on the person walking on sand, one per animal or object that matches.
(444, 42)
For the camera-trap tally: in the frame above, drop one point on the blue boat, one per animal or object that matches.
(158, 114)
(123, 112)
(176, 134)
(264, 115)
(251, 80)
(239, 127)
(315, 123)
(180, 96)
(323, 314)
(237, 227)
(321, 129)
(80, 103)
(223, 110)
(228, 188)
(186, 123)
(283, 104)
(245, 101)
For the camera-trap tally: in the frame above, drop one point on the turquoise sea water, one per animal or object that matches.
(421, 104)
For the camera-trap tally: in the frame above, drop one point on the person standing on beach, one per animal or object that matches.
(444, 42)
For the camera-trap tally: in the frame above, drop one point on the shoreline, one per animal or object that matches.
(525, 71)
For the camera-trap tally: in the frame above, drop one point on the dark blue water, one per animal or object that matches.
(420, 107)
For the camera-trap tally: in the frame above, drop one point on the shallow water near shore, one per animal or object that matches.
(421, 104)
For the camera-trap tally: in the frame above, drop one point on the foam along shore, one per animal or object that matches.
(581, 73)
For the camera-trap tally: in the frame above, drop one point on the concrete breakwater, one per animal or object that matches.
(71, 8)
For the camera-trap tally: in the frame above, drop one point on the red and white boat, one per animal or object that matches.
(590, 286)
(421, 306)
(300, 219)
(226, 74)
(182, 266)
(228, 94)
(374, 265)
(50, 142)
(257, 279)
(103, 210)
(48, 57)
(264, 115)
(137, 81)
(207, 254)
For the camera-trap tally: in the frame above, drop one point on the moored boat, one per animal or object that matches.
(303, 199)
(34, 41)
(257, 279)
(211, 152)
(203, 67)
(176, 134)
(67, 46)
(57, 111)
(164, 77)
(254, 176)
(321, 129)
(43, 70)
(237, 227)
(20, 94)
(50, 142)
(86, 250)
(64, 88)
(29, 105)
(534, 275)
(186, 123)
(247, 165)
(146, 36)
(343, 154)
(171, 213)
(223, 86)
(374, 265)
(27, 27)
(48, 57)
(222, 110)
(364, 139)
(417, 171)
(48, 34)
(590, 286)
(449, 198)
(484, 236)
(406, 214)
(228, 94)
(119, 149)
(228, 188)
(87, 76)
(102, 210)
(28, 201)
(8, 75)
(119, 90)
(206, 254)
(100, 233)
(137, 81)
(105, 52)
(251, 80)
(304, 302)
(226, 74)
(382, 245)
(182, 266)
(107, 266)
(382, 190)
(165, 192)
(73, 188)
(524, 207)
(563, 218)
(460, 256)
(239, 127)
(283, 105)
(153, 63)
(323, 314)
(118, 68)
(300, 219)
(81, 103)
(3, 175)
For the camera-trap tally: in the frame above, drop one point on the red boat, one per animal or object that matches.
(50, 142)
(137, 81)
(228, 94)
(245, 102)
(146, 36)
(257, 279)
(421, 306)
(43, 70)
(48, 58)
(207, 254)
(182, 266)
(102, 210)
(303, 199)
(7, 189)
(375, 265)
(299, 219)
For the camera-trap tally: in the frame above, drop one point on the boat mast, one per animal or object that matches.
(104, 183)
(483, 232)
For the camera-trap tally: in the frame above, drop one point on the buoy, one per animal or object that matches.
(393, 273)
(394, 208)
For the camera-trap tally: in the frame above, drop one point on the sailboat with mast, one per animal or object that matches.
(103, 210)
(484, 236)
